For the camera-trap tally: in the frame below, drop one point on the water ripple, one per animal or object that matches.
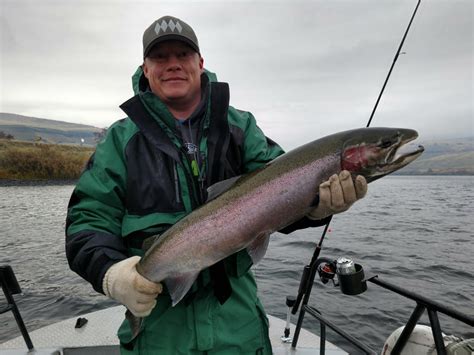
(415, 232)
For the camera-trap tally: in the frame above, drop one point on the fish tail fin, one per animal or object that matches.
(135, 324)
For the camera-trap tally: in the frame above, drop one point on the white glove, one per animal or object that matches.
(123, 283)
(338, 194)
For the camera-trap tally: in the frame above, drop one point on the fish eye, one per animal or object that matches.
(385, 143)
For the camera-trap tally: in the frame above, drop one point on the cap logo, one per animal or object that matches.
(163, 26)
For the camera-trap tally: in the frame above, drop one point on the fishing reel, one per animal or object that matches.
(350, 276)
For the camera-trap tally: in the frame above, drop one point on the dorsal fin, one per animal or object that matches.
(220, 187)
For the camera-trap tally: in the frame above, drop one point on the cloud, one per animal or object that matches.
(304, 68)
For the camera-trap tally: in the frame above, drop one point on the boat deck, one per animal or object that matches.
(99, 334)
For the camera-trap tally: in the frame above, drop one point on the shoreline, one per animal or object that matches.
(60, 182)
(12, 182)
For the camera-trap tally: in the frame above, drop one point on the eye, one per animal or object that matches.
(385, 143)
(157, 56)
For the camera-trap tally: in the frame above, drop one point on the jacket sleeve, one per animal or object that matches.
(95, 211)
(259, 150)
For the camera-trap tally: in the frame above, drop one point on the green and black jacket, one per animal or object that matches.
(139, 181)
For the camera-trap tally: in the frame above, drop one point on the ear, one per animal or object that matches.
(145, 68)
(201, 64)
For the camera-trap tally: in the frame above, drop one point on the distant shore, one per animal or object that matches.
(13, 182)
(61, 182)
(36, 163)
(444, 173)
(22, 162)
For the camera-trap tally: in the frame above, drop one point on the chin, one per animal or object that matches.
(175, 96)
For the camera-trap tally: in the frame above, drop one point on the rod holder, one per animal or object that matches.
(353, 284)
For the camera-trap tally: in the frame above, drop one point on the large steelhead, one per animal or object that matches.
(253, 206)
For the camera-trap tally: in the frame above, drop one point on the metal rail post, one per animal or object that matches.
(10, 287)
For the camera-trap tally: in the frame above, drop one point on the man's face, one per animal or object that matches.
(174, 70)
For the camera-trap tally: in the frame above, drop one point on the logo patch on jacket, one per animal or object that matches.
(191, 148)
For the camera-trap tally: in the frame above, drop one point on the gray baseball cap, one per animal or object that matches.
(168, 28)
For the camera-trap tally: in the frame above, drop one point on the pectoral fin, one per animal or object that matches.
(180, 285)
(258, 247)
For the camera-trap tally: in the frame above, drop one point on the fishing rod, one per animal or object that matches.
(309, 271)
(393, 63)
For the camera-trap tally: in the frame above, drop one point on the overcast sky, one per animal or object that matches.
(304, 68)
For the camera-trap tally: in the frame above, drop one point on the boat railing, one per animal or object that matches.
(356, 283)
(10, 287)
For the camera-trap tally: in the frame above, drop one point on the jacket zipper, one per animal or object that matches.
(176, 183)
(193, 193)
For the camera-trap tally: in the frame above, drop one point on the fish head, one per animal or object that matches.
(376, 152)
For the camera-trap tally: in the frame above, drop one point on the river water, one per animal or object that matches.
(413, 231)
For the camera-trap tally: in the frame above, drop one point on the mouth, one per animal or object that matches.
(173, 79)
(401, 153)
(398, 154)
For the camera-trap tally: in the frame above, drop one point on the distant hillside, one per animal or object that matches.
(453, 156)
(38, 129)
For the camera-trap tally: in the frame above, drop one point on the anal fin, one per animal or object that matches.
(180, 285)
(258, 247)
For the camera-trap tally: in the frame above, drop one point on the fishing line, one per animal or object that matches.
(309, 273)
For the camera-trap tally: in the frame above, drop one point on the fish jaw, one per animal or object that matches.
(376, 158)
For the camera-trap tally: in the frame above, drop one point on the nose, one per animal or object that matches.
(174, 62)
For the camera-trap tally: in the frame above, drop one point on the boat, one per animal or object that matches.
(98, 336)
(95, 332)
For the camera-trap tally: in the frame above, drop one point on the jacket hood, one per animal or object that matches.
(140, 82)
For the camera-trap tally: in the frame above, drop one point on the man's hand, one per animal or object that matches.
(123, 283)
(338, 194)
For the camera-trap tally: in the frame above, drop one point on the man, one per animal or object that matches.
(153, 168)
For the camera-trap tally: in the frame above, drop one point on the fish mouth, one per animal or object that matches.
(402, 153)
(396, 153)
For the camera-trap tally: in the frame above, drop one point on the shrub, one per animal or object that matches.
(43, 162)
(6, 135)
